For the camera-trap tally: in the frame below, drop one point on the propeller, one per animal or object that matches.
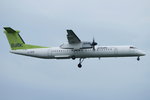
(93, 44)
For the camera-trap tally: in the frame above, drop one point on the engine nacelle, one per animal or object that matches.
(82, 45)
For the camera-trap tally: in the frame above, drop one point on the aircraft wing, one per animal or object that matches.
(72, 38)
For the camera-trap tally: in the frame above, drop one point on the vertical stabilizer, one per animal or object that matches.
(15, 40)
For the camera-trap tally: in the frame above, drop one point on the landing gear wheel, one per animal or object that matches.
(79, 65)
(73, 57)
(138, 58)
(80, 62)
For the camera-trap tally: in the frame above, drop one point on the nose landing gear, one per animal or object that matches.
(138, 58)
(80, 61)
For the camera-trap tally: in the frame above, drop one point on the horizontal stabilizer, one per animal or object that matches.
(9, 30)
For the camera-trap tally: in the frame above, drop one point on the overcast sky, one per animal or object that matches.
(44, 22)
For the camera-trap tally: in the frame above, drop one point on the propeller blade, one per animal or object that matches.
(94, 48)
(93, 44)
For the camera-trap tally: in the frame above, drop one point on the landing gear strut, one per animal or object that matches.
(138, 58)
(80, 61)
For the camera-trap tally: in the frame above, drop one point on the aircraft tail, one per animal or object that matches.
(15, 40)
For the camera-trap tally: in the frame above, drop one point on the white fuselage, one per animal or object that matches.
(100, 51)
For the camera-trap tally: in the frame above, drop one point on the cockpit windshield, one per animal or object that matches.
(131, 47)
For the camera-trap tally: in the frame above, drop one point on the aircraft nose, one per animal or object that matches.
(141, 53)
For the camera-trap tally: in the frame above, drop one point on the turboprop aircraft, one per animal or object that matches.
(75, 48)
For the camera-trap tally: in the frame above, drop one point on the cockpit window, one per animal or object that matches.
(132, 47)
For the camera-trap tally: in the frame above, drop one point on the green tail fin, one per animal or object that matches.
(15, 40)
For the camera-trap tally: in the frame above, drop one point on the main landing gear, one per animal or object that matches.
(80, 61)
(73, 57)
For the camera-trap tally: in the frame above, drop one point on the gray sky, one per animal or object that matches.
(44, 22)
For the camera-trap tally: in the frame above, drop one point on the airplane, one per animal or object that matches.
(74, 48)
